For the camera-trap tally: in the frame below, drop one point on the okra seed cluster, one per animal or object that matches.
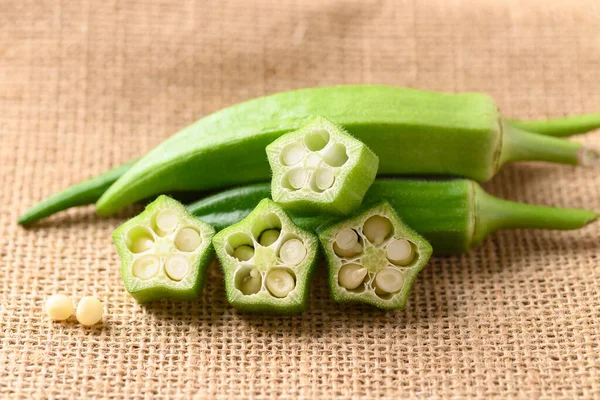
(267, 258)
(373, 257)
(165, 246)
(312, 164)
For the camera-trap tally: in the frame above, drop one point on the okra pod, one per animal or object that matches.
(165, 252)
(412, 132)
(373, 257)
(88, 192)
(320, 168)
(453, 215)
(267, 261)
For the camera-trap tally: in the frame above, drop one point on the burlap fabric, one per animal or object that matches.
(86, 85)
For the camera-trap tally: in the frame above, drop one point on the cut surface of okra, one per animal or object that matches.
(267, 261)
(373, 258)
(165, 252)
(320, 167)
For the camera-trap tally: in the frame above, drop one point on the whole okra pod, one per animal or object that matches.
(453, 215)
(89, 191)
(411, 131)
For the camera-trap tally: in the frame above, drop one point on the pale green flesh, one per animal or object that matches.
(432, 133)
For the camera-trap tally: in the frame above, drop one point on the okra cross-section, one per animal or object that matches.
(373, 258)
(267, 261)
(165, 252)
(320, 167)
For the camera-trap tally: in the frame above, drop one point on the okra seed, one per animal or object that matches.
(59, 307)
(297, 178)
(166, 221)
(400, 252)
(89, 311)
(252, 283)
(316, 140)
(324, 178)
(292, 154)
(139, 239)
(269, 237)
(336, 155)
(377, 228)
(354, 250)
(177, 267)
(188, 239)
(352, 276)
(389, 280)
(243, 252)
(292, 252)
(146, 267)
(346, 239)
(280, 282)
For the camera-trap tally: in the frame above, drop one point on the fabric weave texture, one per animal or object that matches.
(86, 85)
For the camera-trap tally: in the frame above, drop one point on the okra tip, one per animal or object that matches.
(589, 156)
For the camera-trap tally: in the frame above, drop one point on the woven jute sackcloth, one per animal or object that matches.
(86, 85)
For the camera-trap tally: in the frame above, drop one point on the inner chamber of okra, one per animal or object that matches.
(267, 257)
(166, 244)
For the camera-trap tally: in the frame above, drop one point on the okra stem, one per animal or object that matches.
(559, 127)
(520, 145)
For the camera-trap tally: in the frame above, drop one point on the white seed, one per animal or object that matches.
(243, 252)
(252, 283)
(297, 178)
(400, 252)
(292, 252)
(139, 245)
(389, 280)
(59, 307)
(357, 248)
(146, 267)
(280, 282)
(336, 155)
(377, 228)
(346, 239)
(166, 221)
(351, 276)
(177, 267)
(269, 237)
(89, 311)
(324, 178)
(292, 154)
(188, 239)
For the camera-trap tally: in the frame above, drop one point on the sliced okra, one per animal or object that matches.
(267, 261)
(165, 252)
(320, 167)
(373, 257)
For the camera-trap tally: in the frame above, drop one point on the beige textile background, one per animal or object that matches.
(86, 85)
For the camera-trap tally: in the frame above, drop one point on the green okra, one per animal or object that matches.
(267, 261)
(320, 168)
(559, 127)
(373, 257)
(88, 192)
(411, 131)
(453, 215)
(165, 252)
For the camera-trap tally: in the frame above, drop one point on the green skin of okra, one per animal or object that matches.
(453, 215)
(163, 245)
(89, 191)
(412, 132)
(265, 216)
